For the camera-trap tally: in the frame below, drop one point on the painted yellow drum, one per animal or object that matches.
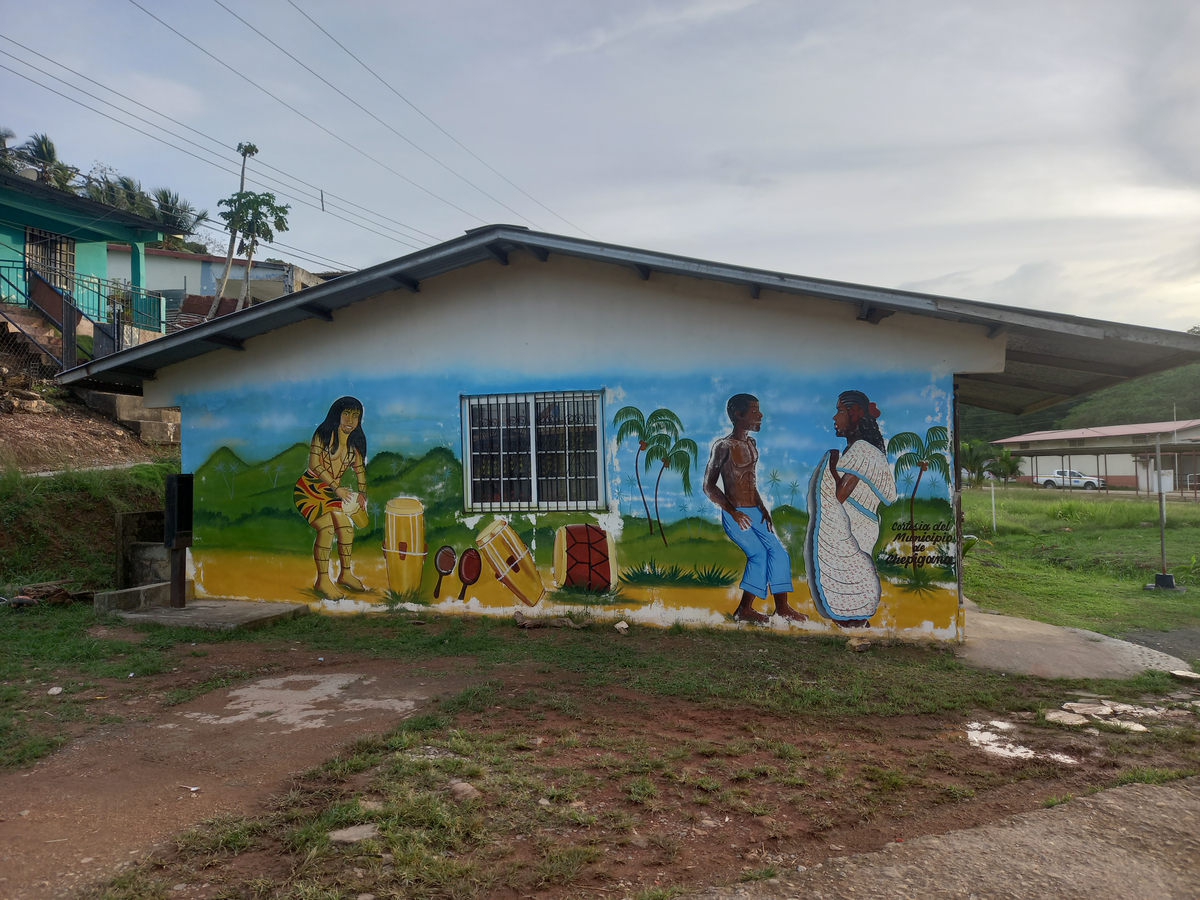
(404, 547)
(511, 561)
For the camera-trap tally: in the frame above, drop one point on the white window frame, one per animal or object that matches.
(535, 503)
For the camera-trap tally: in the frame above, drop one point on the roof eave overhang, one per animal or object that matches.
(1083, 364)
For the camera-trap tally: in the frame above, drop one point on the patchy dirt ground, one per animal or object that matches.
(583, 792)
(71, 437)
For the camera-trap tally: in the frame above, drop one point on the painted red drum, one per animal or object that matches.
(585, 556)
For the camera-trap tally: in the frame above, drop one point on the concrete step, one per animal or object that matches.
(153, 432)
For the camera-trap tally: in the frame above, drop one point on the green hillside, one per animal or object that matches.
(1155, 398)
(241, 505)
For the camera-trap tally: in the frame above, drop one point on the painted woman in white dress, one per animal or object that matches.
(844, 496)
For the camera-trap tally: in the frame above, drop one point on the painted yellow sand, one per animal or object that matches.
(289, 577)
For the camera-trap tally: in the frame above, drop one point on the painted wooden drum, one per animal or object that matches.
(404, 546)
(585, 556)
(511, 561)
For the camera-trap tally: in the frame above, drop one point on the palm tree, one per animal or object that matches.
(630, 423)
(922, 455)
(1005, 466)
(793, 490)
(678, 455)
(177, 215)
(39, 152)
(618, 495)
(7, 162)
(973, 457)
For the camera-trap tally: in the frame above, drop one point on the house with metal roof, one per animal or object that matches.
(58, 303)
(1122, 455)
(517, 419)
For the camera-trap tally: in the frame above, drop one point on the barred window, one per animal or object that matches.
(1141, 439)
(1024, 445)
(541, 451)
(1075, 442)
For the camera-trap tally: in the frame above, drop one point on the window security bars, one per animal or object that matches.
(539, 451)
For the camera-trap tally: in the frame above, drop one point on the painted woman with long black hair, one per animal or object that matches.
(338, 444)
(844, 496)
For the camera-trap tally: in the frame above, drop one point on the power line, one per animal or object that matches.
(306, 118)
(306, 254)
(221, 144)
(402, 137)
(419, 112)
(188, 152)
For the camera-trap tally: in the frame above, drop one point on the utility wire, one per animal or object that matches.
(402, 137)
(205, 150)
(254, 162)
(306, 118)
(306, 254)
(419, 112)
(195, 156)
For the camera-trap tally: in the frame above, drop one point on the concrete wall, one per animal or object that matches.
(408, 361)
(201, 274)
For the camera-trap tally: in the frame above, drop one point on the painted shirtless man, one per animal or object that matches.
(733, 462)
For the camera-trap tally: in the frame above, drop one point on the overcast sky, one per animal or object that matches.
(1043, 154)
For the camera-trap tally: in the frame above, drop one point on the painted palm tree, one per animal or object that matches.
(618, 495)
(773, 481)
(678, 455)
(630, 423)
(914, 453)
(793, 490)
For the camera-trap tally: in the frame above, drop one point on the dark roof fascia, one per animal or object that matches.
(101, 212)
(495, 242)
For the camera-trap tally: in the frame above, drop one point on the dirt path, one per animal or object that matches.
(113, 797)
(1134, 841)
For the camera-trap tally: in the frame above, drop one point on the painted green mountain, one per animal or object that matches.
(243, 505)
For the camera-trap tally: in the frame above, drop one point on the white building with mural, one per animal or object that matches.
(515, 420)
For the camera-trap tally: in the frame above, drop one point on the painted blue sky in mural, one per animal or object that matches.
(412, 415)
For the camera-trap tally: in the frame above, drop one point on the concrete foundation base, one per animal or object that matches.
(218, 615)
(144, 596)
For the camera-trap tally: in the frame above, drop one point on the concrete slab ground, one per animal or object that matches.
(1024, 647)
(1133, 841)
(217, 615)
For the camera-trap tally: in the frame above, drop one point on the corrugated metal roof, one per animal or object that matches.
(1051, 356)
(1148, 428)
(102, 211)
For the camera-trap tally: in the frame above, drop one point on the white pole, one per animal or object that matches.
(993, 507)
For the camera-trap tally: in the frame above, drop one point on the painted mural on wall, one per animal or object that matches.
(809, 503)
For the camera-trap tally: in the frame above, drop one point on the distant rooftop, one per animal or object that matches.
(1104, 431)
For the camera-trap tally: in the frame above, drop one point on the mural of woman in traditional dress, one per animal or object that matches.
(332, 509)
(844, 495)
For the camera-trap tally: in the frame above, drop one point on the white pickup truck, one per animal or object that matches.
(1072, 478)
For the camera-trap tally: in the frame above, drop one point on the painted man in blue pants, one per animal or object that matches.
(734, 461)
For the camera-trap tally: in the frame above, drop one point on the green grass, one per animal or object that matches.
(62, 526)
(1080, 560)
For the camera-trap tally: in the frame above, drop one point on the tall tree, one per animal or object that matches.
(1005, 466)
(678, 455)
(247, 150)
(631, 423)
(256, 217)
(121, 192)
(914, 453)
(973, 457)
(177, 215)
(39, 151)
(8, 161)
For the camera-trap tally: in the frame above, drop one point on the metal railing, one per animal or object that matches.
(103, 301)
